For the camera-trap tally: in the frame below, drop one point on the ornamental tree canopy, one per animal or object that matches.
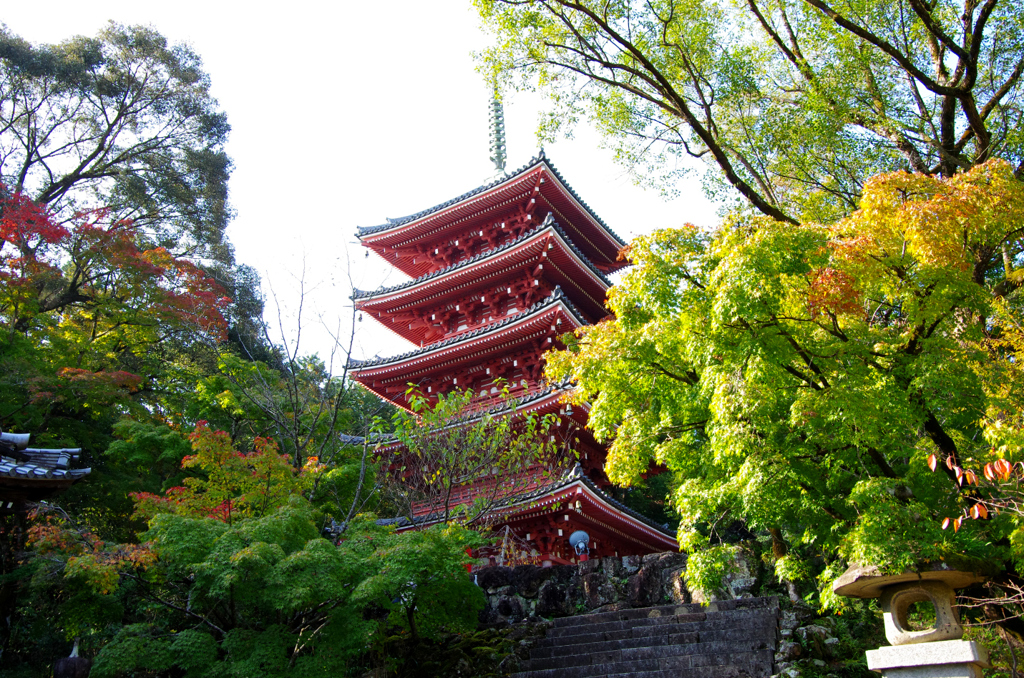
(796, 378)
(794, 103)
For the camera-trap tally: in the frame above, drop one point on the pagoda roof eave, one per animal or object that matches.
(549, 226)
(571, 484)
(577, 478)
(474, 336)
(366, 234)
(519, 406)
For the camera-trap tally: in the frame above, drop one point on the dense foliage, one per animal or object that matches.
(192, 549)
(226, 526)
(797, 378)
(446, 443)
(796, 369)
(233, 577)
(833, 371)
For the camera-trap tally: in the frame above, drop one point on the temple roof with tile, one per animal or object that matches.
(32, 474)
(558, 495)
(470, 354)
(475, 221)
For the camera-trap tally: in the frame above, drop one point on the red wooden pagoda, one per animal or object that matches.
(498, 274)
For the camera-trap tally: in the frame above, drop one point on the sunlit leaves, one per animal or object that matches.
(420, 579)
(930, 227)
(455, 458)
(805, 378)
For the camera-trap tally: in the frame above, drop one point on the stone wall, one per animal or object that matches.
(529, 592)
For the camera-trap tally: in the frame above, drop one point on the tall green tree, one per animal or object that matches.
(125, 122)
(122, 121)
(796, 378)
(792, 103)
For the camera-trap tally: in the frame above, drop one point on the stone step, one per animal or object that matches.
(728, 639)
(669, 627)
(682, 653)
(540, 657)
(697, 672)
(709, 620)
(593, 643)
(630, 613)
(668, 610)
(728, 663)
(763, 630)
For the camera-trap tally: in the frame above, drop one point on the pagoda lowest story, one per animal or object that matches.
(498, 274)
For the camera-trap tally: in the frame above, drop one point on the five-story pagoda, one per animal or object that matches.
(498, 274)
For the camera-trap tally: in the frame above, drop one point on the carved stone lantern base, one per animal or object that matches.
(940, 659)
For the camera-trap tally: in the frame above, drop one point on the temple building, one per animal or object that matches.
(497, 276)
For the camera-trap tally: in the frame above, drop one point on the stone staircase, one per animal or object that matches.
(726, 639)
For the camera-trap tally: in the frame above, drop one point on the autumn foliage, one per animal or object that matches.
(100, 265)
(231, 485)
(85, 556)
(92, 308)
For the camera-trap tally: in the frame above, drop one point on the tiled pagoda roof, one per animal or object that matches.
(549, 224)
(404, 308)
(550, 395)
(558, 297)
(534, 497)
(530, 193)
(576, 474)
(539, 159)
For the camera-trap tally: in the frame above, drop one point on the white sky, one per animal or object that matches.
(346, 113)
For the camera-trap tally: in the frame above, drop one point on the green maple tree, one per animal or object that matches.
(796, 378)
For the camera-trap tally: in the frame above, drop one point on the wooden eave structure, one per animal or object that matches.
(409, 243)
(544, 253)
(34, 474)
(568, 503)
(538, 326)
(580, 504)
(550, 400)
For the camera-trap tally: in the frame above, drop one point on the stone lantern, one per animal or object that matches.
(936, 652)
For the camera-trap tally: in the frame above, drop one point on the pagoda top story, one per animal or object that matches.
(492, 215)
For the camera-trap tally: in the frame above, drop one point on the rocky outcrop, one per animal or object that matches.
(814, 645)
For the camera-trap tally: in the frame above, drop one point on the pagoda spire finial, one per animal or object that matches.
(497, 131)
